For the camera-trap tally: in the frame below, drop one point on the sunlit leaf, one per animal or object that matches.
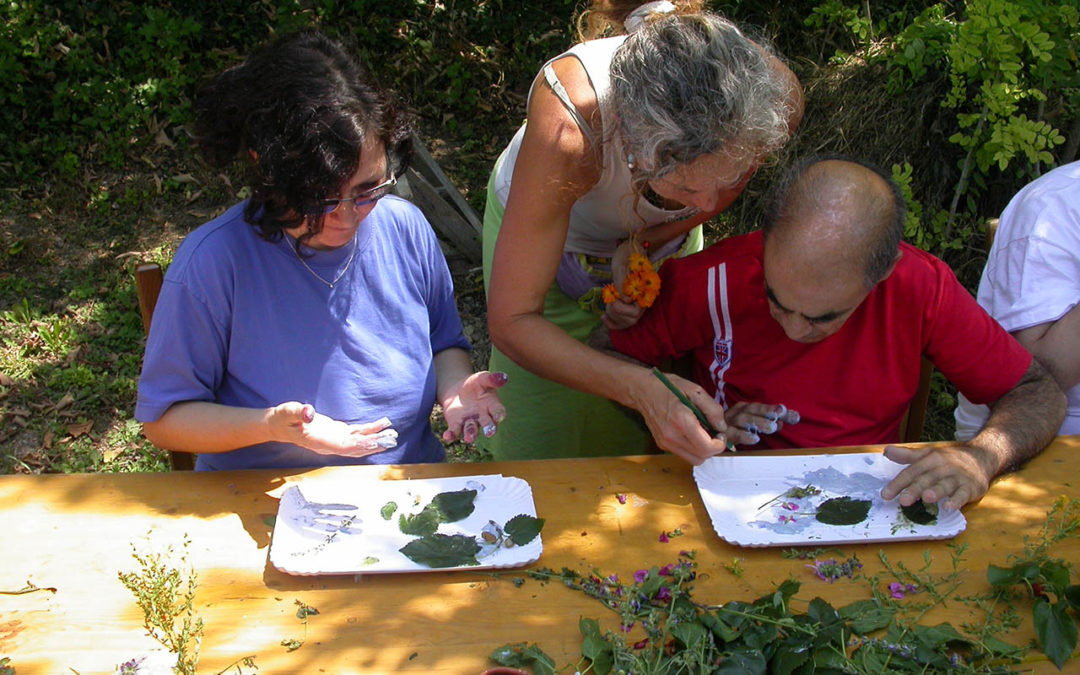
(455, 505)
(523, 528)
(421, 524)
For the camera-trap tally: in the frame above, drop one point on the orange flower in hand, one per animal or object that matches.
(639, 263)
(632, 286)
(610, 294)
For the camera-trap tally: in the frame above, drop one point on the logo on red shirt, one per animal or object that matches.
(722, 351)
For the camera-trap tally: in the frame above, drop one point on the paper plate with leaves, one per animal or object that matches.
(814, 499)
(327, 526)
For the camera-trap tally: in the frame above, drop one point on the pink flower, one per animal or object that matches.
(640, 576)
(664, 594)
(621, 497)
(896, 589)
(787, 519)
(665, 571)
(790, 506)
(641, 644)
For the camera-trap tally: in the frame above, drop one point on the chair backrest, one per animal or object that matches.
(911, 427)
(148, 280)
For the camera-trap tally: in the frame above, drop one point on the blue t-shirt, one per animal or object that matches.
(241, 322)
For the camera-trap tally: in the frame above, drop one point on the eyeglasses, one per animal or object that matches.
(363, 199)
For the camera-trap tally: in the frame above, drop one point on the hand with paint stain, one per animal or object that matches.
(747, 421)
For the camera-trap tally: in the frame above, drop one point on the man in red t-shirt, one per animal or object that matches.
(828, 313)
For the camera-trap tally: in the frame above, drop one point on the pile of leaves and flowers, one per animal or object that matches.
(880, 634)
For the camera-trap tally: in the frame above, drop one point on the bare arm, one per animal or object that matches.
(205, 427)
(1021, 424)
(1057, 346)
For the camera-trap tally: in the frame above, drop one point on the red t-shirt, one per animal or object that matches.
(853, 387)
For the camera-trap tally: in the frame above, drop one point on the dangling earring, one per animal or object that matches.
(631, 161)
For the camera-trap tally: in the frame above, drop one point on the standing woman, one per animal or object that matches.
(313, 323)
(631, 143)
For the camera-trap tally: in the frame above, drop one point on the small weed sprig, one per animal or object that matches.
(303, 611)
(166, 595)
(165, 592)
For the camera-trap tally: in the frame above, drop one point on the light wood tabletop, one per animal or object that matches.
(74, 534)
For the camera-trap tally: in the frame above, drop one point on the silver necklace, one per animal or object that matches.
(329, 284)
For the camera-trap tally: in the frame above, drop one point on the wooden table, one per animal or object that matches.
(74, 533)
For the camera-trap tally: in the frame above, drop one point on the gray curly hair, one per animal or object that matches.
(685, 86)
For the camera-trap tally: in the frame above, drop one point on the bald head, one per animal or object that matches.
(836, 217)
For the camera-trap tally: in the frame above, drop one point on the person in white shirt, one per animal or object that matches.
(1031, 285)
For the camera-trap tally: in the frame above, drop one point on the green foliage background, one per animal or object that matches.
(969, 100)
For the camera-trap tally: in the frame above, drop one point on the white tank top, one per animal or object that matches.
(607, 213)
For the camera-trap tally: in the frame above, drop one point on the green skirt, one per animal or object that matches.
(545, 419)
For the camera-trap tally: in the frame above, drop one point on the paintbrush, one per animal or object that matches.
(686, 402)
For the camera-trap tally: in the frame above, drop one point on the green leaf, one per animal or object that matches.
(523, 655)
(1055, 630)
(867, 616)
(719, 628)
(1056, 575)
(920, 512)
(522, 528)
(595, 647)
(455, 506)
(388, 510)
(843, 511)
(1001, 576)
(790, 655)
(442, 550)
(421, 524)
(742, 662)
(1072, 595)
(690, 633)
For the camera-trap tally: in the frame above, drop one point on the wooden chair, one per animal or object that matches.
(148, 279)
(428, 187)
(911, 427)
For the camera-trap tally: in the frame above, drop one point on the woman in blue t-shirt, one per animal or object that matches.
(313, 323)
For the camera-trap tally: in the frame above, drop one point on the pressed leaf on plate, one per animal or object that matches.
(442, 550)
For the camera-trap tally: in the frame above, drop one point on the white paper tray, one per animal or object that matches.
(348, 540)
(734, 488)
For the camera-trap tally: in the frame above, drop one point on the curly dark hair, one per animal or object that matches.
(301, 106)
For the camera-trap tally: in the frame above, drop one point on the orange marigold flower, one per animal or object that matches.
(610, 294)
(632, 286)
(639, 263)
(647, 299)
(650, 281)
